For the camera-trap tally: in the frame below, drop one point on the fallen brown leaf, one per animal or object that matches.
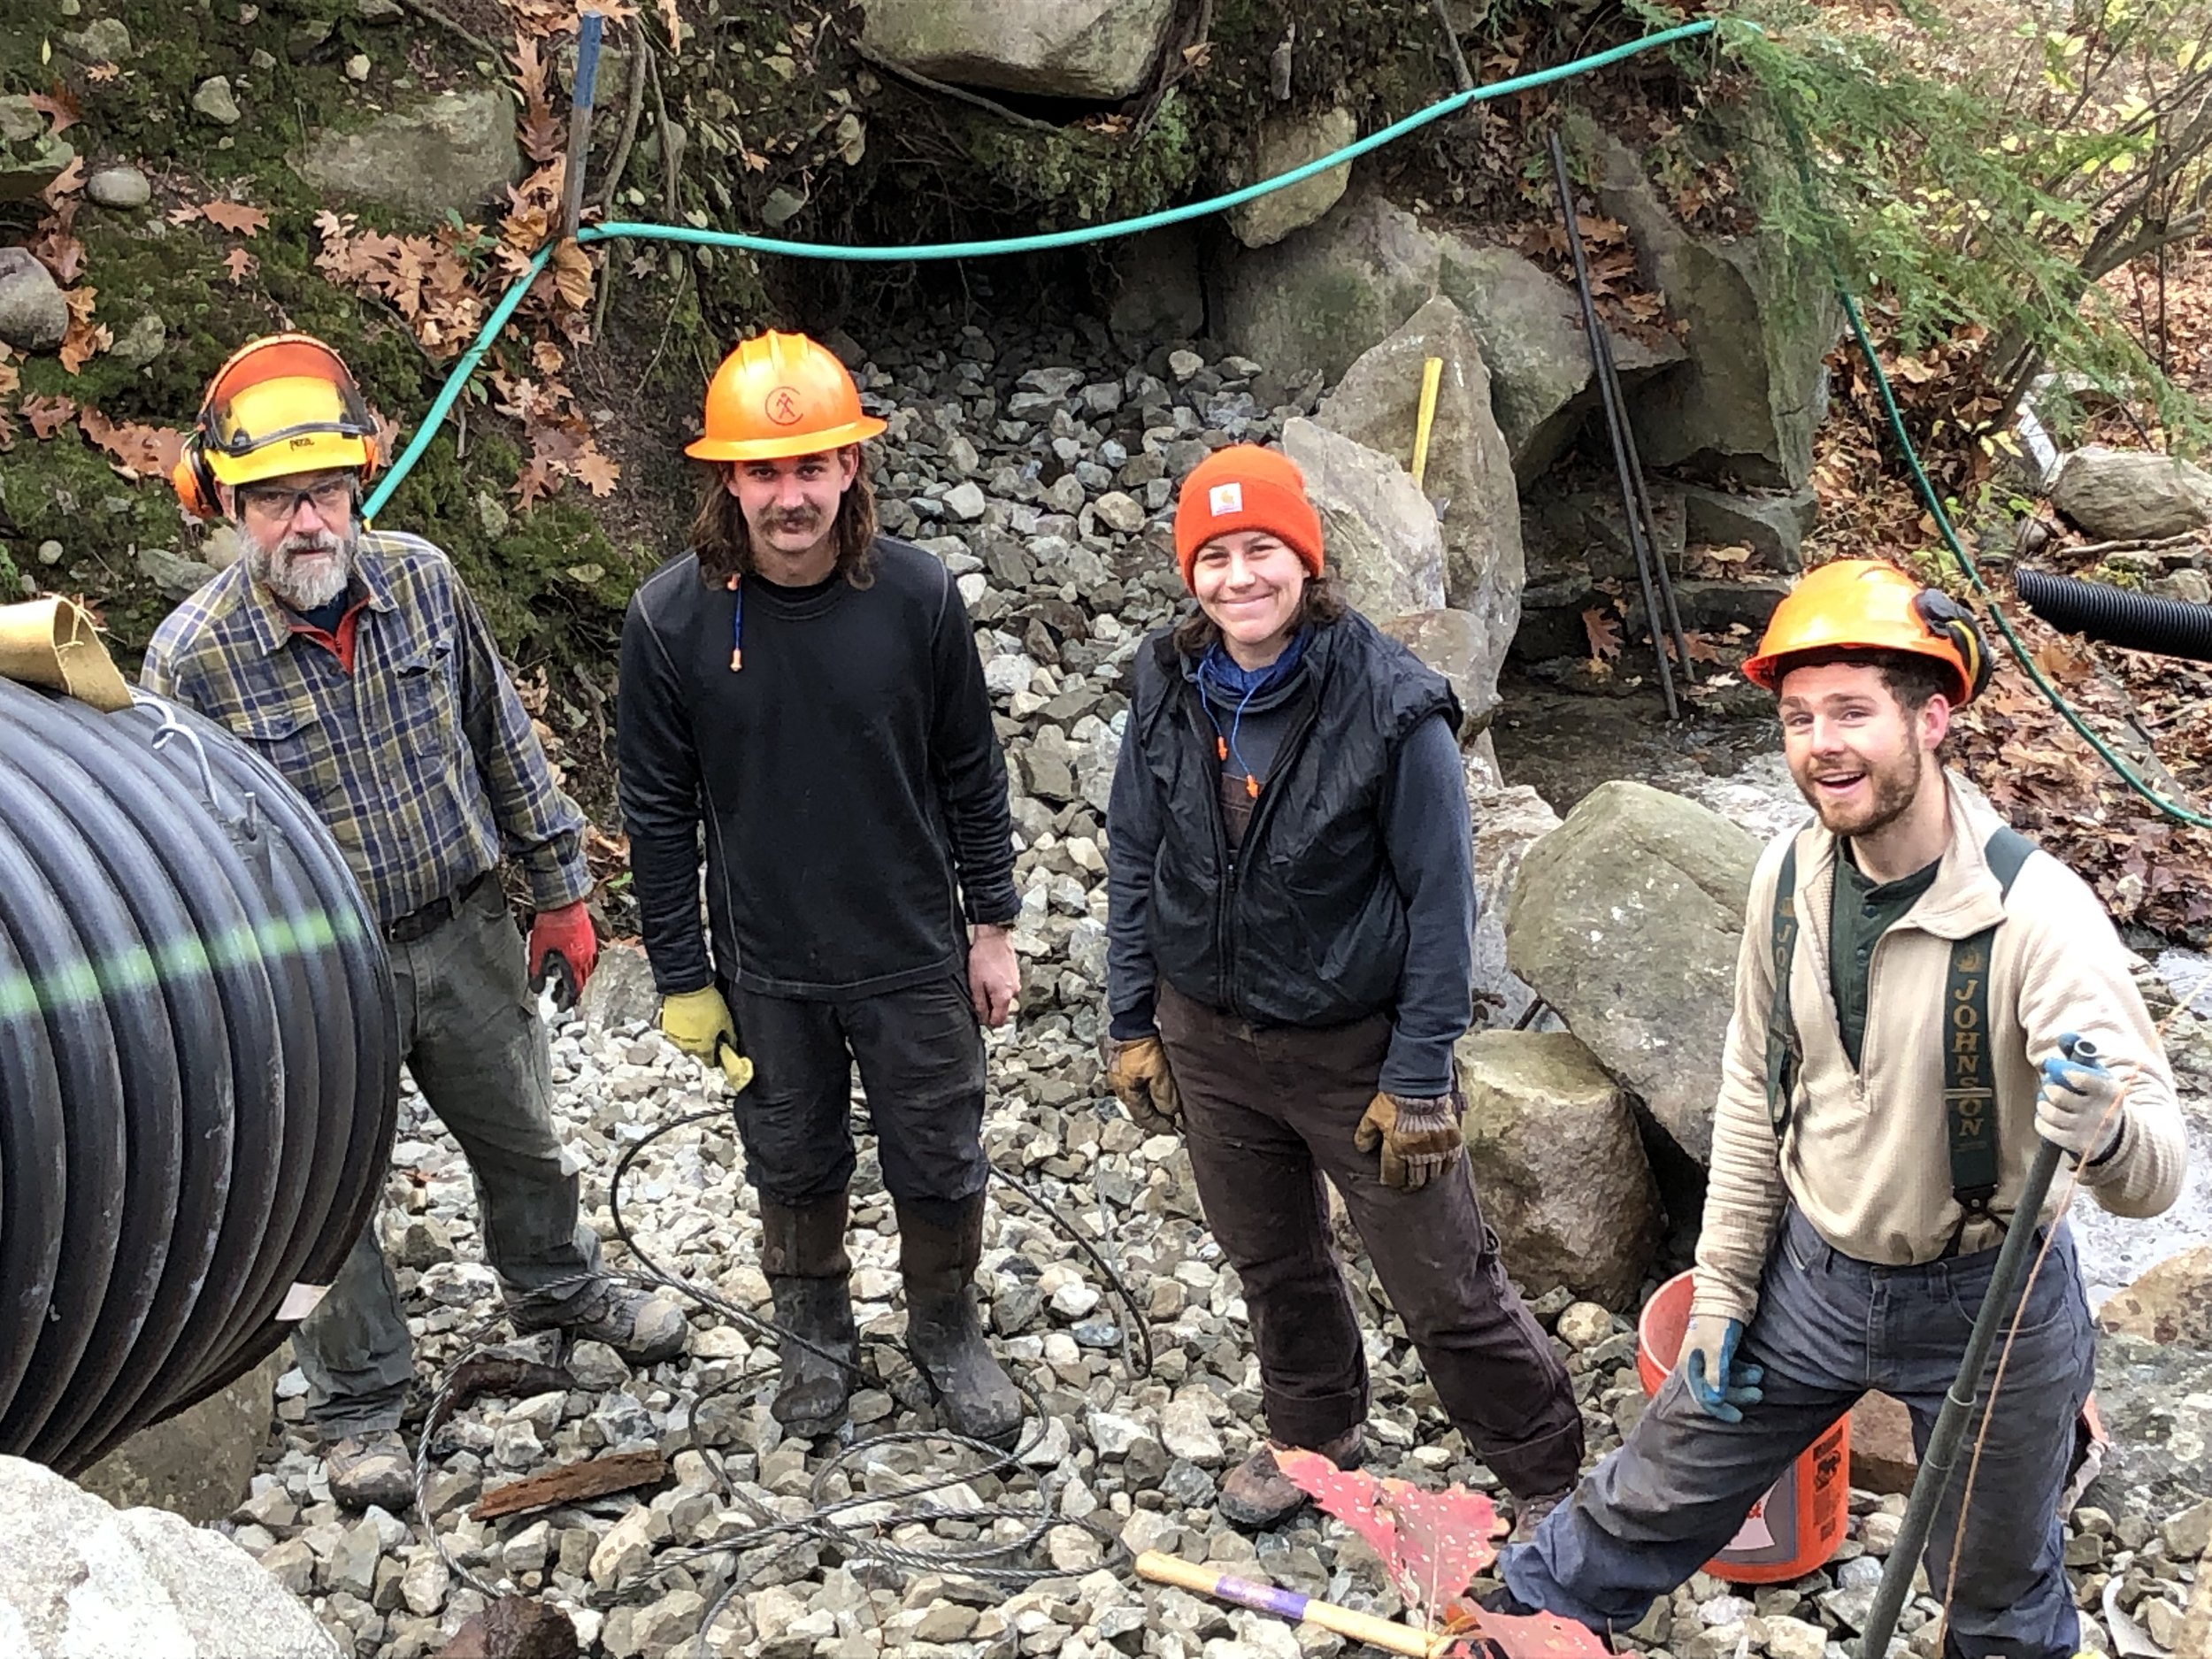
(597, 471)
(59, 106)
(48, 415)
(82, 344)
(1603, 632)
(236, 217)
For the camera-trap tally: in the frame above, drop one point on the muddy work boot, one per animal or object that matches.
(643, 1326)
(803, 1253)
(944, 1333)
(371, 1468)
(1258, 1496)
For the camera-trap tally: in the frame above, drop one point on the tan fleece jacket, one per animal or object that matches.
(1866, 1157)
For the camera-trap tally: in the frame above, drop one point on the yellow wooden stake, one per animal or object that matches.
(1431, 375)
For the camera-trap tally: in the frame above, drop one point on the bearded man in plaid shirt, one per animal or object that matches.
(357, 664)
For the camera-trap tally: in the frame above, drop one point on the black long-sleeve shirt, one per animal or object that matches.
(849, 777)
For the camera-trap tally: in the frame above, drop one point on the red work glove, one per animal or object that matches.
(563, 949)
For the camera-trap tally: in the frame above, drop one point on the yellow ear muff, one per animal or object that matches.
(1952, 623)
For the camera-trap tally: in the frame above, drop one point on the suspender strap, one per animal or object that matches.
(1968, 1093)
(1970, 1097)
(1786, 1055)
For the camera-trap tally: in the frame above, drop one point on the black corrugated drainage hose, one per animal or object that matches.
(2115, 615)
(199, 1066)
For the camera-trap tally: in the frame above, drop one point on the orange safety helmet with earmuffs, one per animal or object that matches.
(284, 404)
(1870, 604)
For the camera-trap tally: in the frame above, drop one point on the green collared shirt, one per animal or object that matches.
(1860, 913)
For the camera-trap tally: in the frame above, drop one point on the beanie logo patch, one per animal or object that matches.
(1224, 499)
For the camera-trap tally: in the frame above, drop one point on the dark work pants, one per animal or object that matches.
(1267, 1114)
(470, 1029)
(1829, 1328)
(920, 1054)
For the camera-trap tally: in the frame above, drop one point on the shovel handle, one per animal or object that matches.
(1387, 1634)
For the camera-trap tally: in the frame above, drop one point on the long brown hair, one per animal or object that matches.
(724, 541)
(1319, 603)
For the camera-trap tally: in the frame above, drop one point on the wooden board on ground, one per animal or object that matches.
(571, 1483)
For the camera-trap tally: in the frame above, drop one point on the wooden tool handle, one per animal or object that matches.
(1380, 1633)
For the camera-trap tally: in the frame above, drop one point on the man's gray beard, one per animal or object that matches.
(306, 589)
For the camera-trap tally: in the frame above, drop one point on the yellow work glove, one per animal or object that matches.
(699, 1022)
(1419, 1138)
(1136, 1071)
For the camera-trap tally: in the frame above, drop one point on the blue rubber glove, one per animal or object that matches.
(2075, 1108)
(1721, 1387)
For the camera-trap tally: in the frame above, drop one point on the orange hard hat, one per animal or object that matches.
(780, 394)
(1870, 604)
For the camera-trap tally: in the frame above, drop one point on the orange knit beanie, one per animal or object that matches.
(1246, 488)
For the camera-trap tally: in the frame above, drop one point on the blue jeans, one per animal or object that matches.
(1828, 1329)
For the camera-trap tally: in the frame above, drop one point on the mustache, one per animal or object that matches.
(317, 542)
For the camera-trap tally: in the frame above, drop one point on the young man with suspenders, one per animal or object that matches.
(1914, 979)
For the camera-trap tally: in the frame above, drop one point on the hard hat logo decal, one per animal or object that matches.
(1223, 499)
(784, 406)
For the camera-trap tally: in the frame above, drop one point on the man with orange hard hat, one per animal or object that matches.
(357, 663)
(1868, 1151)
(810, 690)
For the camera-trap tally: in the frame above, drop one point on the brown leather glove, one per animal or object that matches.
(1419, 1138)
(1136, 1071)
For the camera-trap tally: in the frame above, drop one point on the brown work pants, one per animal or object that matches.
(1268, 1112)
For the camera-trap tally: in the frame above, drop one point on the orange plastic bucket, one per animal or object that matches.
(1796, 1527)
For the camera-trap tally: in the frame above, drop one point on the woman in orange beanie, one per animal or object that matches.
(1289, 962)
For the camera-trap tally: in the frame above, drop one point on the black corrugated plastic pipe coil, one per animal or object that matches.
(199, 1066)
(2115, 615)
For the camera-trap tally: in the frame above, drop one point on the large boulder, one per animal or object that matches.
(1453, 643)
(1772, 523)
(2131, 495)
(1378, 404)
(1530, 323)
(1286, 141)
(455, 150)
(1383, 542)
(2154, 1399)
(1507, 821)
(198, 1463)
(1312, 303)
(1759, 321)
(1060, 49)
(1559, 1164)
(80, 1578)
(2170, 1303)
(1627, 919)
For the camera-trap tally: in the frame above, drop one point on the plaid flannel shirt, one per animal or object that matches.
(421, 761)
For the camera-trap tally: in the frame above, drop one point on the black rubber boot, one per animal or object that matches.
(803, 1253)
(943, 1333)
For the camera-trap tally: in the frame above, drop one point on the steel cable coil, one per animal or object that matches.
(199, 1066)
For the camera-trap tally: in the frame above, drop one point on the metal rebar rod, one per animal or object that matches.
(1643, 553)
(1933, 1481)
(1643, 508)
